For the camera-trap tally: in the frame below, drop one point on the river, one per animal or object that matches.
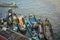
(45, 8)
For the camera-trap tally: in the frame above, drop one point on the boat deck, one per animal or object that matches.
(11, 35)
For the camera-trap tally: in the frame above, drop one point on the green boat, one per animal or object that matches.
(8, 4)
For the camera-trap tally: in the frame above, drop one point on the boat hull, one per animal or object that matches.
(7, 5)
(2, 38)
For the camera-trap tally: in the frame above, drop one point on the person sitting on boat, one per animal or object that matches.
(21, 20)
(35, 35)
(1, 21)
(40, 29)
(39, 21)
(5, 22)
(26, 19)
(9, 21)
(46, 21)
(15, 22)
(32, 18)
(23, 29)
(4, 28)
(35, 27)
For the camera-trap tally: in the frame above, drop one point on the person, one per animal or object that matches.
(47, 30)
(9, 21)
(4, 26)
(35, 35)
(32, 18)
(15, 22)
(23, 29)
(35, 26)
(41, 30)
(21, 20)
(26, 20)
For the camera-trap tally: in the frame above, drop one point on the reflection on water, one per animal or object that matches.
(37, 7)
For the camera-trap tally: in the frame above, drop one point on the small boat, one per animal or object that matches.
(47, 32)
(11, 35)
(8, 4)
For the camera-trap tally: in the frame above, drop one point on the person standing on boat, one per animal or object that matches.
(47, 31)
(2, 22)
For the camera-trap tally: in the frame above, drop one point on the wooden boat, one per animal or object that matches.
(8, 4)
(47, 32)
(2, 38)
(11, 35)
